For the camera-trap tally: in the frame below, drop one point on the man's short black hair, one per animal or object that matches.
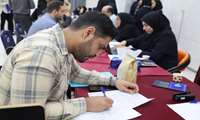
(102, 23)
(110, 10)
(54, 5)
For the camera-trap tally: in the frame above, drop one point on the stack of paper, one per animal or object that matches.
(122, 52)
(122, 109)
(188, 111)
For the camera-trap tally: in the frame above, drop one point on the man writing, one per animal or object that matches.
(39, 68)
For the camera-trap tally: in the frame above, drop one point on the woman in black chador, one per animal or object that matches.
(158, 41)
(152, 4)
(126, 27)
(103, 3)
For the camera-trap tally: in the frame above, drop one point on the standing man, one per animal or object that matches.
(21, 13)
(55, 12)
(40, 67)
(6, 15)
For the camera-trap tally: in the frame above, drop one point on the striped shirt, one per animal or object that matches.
(38, 70)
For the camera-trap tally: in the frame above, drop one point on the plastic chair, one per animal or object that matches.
(197, 77)
(183, 61)
(8, 41)
(22, 112)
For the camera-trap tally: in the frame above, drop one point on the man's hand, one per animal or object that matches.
(98, 103)
(126, 86)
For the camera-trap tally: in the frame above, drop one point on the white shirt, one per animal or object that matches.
(113, 18)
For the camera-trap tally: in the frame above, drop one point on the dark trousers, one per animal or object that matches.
(9, 18)
(25, 23)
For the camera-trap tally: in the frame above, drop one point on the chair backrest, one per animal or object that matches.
(182, 57)
(22, 112)
(183, 61)
(8, 41)
(197, 77)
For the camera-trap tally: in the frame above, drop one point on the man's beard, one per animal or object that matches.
(81, 53)
(58, 19)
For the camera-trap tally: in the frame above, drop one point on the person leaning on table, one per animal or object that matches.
(39, 68)
(159, 41)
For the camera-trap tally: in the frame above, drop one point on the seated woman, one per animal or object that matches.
(126, 27)
(102, 3)
(158, 42)
(143, 11)
(152, 4)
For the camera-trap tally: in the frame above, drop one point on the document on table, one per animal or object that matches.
(188, 111)
(122, 109)
(111, 114)
(123, 51)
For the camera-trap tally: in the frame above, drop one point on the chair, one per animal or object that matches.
(183, 61)
(22, 112)
(8, 41)
(197, 77)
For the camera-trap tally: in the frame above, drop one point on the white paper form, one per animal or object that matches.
(126, 50)
(122, 99)
(122, 109)
(188, 111)
(111, 114)
(122, 51)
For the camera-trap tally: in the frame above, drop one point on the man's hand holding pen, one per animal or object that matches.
(101, 103)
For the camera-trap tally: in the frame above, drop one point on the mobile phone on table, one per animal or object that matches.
(170, 85)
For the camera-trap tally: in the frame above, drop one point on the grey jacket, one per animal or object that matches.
(22, 6)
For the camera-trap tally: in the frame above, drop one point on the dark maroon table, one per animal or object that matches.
(102, 64)
(154, 110)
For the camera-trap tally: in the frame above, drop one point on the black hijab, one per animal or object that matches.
(127, 28)
(145, 4)
(103, 3)
(126, 19)
(141, 12)
(157, 20)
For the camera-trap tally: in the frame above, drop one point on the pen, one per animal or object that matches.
(103, 90)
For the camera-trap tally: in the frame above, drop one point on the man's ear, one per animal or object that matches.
(54, 12)
(89, 33)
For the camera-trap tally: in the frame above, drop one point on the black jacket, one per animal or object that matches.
(143, 11)
(135, 7)
(127, 28)
(160, 45)
(102, 3)
(42, 4)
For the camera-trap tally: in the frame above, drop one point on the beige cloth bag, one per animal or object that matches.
(127, 70)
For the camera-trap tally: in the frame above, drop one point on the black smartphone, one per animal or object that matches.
(170, 85)
(160, 83)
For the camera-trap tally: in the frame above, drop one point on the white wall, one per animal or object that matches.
(185, 21)
(91, 3)
(124, 5)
